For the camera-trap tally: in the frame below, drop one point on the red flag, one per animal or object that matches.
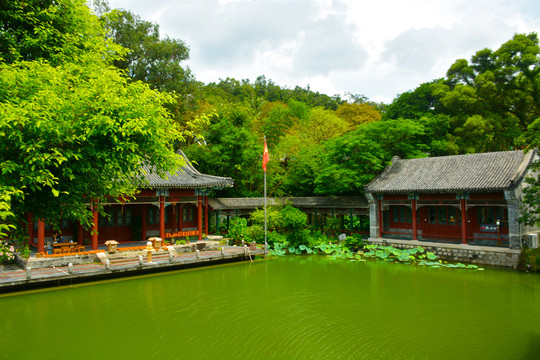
(266, 157)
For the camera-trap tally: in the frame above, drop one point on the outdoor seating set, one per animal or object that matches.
(66, 249)
(70, 249)
(143, 247)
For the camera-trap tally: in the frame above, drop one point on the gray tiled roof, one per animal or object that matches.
(186, 177)
(298, 202)
(487, 172)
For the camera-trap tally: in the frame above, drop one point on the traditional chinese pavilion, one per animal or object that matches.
(172, 206)
(469, 199)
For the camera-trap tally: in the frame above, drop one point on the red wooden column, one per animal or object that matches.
(162, 217)
(95, 229)
(80, 234)
(379, 210)
(30, 220)
(199, 216)
(206, 215)
(463, 221)
(143, 225)
(414, 225)
(41, 236)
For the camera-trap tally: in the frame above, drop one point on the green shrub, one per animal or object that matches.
(298, 237)
(255, 233)
(273, 217)
(24, 251)
(280, 218)
(237, 229)
(354, 242)
(275, 237)
(293, 219)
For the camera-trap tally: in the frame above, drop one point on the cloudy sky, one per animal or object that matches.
(378, 48)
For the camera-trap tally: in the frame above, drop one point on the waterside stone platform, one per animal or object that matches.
(39, 273)
(484, 255)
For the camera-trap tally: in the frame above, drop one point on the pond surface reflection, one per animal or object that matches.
(285, 308)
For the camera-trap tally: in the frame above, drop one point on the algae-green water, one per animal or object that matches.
(285, 308)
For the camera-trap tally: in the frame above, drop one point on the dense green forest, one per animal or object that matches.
(324, 145)
(329, 145)
(72, 77)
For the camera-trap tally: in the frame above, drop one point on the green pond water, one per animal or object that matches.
(285, 308)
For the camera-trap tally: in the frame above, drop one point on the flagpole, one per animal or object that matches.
(265, 243)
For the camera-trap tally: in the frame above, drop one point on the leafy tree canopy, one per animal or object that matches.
(150, 59)
(56, 31)
(74, 129)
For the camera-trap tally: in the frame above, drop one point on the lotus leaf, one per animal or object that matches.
(403, 257)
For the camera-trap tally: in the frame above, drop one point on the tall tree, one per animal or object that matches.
(349, 162)
(414, 104)
(231, 149)
(496, 96)
(357, 114)
(150, 59)
(73, 128)
(56, 31)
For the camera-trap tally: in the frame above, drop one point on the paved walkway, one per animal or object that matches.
(124, 264)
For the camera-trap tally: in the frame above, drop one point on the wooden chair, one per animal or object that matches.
(56, 251)
(65, 250)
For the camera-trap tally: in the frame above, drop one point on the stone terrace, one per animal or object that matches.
(126, 263)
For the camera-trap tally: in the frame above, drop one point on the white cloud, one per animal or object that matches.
(329, 47)
(379, 48)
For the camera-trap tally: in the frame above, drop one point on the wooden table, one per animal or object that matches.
(61, 246)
